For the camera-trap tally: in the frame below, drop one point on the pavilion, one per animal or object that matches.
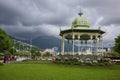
(81, 33)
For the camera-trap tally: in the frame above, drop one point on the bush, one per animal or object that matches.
(26, 60)
(75, 61)
(1, 64)
(117, 62)
(106, 62)
(1, 57)
(95, 62)
(62, 61)
(88, 61)
(99, 60)
(101, 64)
(80, 61)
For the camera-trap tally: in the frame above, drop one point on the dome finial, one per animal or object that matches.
(80, 13)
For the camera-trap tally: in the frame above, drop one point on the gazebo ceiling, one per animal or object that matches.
(82, 37)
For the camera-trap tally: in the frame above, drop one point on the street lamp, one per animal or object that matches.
(30, 47)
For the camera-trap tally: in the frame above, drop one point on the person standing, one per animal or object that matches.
(6, 58)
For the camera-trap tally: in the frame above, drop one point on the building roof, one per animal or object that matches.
(80, 22)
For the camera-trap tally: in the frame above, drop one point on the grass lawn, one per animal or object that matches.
(58, 72)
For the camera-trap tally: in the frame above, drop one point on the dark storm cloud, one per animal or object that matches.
(33, 18)
(33, 12)
(109, 9)
(7, 16)
(36, 12)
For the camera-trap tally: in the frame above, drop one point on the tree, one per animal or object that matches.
(5, 41)
(117, 44)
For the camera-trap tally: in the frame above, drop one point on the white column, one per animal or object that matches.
(78, 44)
(81, 42)
(96, 45)
(99, 45)
(91, 37)
(82, 46)
(85, 46)
(62, 45)
(73, 43)
(102, 45)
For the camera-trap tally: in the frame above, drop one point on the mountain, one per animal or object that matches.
(50, 42)
(44, 42)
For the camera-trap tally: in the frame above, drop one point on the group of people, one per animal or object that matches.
(7, 58)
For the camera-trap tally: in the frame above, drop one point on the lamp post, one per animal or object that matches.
(30, 47)
(19, 47)
(13, 45)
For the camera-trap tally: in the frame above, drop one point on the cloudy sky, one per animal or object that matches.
(33, 18)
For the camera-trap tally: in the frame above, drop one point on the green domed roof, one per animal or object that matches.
(80, 22)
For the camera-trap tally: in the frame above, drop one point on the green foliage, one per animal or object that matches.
(88, 61)
(22, 53)
(1, 64)
(5, 41)
(35, 51)
(112, 54)
(12, 51)
(117, 44)
(1, 57)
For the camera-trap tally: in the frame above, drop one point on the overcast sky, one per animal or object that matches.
(34, 18)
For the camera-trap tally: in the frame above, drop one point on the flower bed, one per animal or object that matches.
(84, 61)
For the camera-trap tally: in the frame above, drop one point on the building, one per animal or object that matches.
(80, 31)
